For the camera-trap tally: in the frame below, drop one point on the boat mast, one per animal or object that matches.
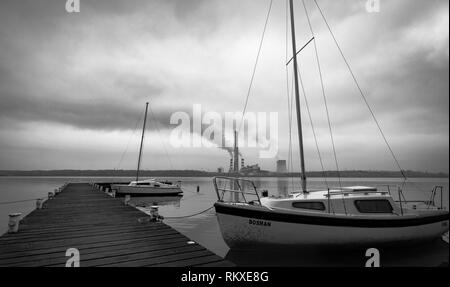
(142, 141)
(297, 98)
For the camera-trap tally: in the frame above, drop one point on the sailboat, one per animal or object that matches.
(335, 216)
(146, 187)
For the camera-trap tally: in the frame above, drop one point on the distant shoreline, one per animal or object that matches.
(199, 173)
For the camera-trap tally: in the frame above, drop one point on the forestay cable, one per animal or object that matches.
(129, 140)
(256, 64)
(152, 116)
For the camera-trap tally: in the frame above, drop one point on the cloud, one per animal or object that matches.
(93, 71)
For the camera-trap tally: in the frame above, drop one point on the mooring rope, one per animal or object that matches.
(186, 216)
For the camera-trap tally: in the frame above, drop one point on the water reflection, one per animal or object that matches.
(434, 253)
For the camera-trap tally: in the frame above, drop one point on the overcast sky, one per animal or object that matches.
(73, 86)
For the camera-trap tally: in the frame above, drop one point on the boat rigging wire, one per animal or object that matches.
(256, 64)
(325, 101)
(128, 143)
(159, 135)
(361, 91)
(312, 128)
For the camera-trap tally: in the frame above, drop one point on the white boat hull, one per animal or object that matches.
(145, 190)
(244, 231)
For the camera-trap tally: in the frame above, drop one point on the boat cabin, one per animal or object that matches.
(356, 200)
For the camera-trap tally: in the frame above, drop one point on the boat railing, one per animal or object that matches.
(429, 203)
(348, 192)
(401, 199)
(432, 201)
(235, 186)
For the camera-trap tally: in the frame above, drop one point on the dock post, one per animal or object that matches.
(39, 202)
(50, 195)
(127, 199)
(154, 213)
(113, 193)
(198, 188)
(14, 220)
(107, 189)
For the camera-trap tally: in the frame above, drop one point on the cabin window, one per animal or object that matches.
(373, 206)
(309, 205)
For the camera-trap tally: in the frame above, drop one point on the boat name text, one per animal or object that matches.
(259, 222)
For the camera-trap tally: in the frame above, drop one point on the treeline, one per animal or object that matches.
(199, 173)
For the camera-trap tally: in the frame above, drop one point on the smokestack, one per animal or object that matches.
(236, 153)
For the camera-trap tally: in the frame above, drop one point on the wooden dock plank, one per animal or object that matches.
(164, 257)
(105, 231)
(94, 258)
(87, 248)
(209, 259)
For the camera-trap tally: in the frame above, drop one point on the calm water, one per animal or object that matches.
(204, 229)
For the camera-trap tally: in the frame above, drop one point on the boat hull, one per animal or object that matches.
(247, 227)
(122, 190)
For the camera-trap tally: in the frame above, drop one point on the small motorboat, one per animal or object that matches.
(147, 187)
(350, 215)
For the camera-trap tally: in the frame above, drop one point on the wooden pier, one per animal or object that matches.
(104, 230)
